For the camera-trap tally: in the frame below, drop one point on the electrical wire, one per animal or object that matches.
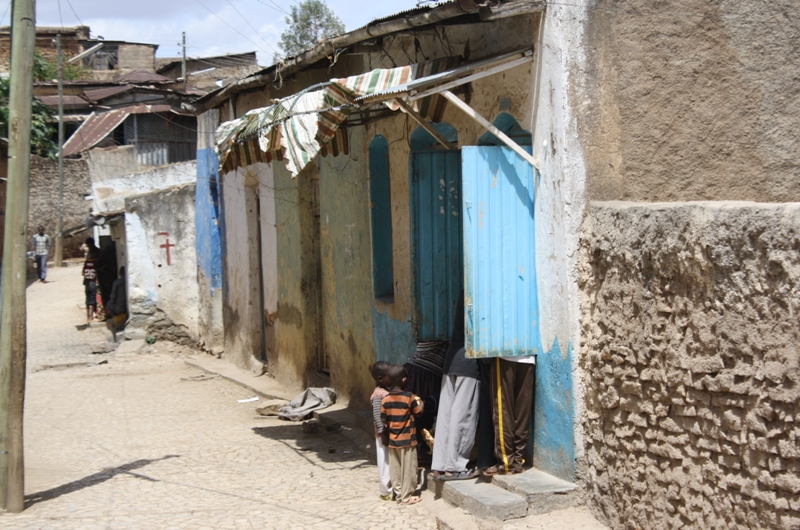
(276, 8)
(69, 3)
(251, 26)
(233, 28)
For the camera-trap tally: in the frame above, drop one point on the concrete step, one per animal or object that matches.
(484, 500)
(543, 492)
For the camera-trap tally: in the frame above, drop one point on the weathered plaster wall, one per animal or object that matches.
(208, 243)
(692, 100)
(346, 260)
(161, 262)
(110, 193)
(108, 162)
(298, 276)
(269, 256)
(691, 364)
(559, 207)
(44, 200)
(241, 301)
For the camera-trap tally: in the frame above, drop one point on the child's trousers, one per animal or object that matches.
(403, 470)
(384, 480)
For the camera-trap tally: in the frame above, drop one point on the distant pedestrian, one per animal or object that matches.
(380, 372)
(89, 274)
(398, 410)
(41, 247)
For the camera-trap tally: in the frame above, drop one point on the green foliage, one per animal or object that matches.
(42, 127)
(47, 70)
(310, 22)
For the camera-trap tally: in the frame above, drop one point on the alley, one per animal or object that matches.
(138, 443)
(143, 440)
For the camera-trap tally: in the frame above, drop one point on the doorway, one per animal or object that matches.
(436, 232)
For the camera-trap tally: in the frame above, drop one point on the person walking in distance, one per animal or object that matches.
(41, 247)
(90, 279)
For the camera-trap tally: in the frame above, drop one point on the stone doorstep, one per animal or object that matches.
(544, 492)
(509, 496)
(484, 500)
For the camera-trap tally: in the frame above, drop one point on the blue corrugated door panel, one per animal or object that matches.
(438, 254)
(502, 317)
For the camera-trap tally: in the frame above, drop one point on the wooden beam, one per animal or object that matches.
(510, 9)
(528, 57)
(472, 113)
(408, 109)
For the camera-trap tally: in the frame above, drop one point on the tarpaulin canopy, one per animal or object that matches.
(297, 127)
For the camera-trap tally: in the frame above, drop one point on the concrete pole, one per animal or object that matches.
(12, 317)
(183, 63)
(60, 228)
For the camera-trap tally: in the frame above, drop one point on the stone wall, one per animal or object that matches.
(691, 364)
(44, 200)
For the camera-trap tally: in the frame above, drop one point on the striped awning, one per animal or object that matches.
(298, 127)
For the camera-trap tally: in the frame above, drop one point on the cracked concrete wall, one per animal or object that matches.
(691, 366)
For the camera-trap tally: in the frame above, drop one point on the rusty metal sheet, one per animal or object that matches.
(140, 76)
(69, 101)
(99, 94)
(95, 128)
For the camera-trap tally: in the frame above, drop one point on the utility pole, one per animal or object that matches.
(12, 316)
(183, 63)
(60, 228)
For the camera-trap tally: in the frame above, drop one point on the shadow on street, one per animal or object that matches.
(92, 480)
(330, 447)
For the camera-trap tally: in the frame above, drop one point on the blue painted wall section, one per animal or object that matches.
(381, 216)
(394, 340)
(554, 413)
(209, 249)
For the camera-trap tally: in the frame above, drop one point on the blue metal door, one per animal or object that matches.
(437, 236)
(500, 300)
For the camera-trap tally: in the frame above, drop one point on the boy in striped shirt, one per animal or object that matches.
(398, 410)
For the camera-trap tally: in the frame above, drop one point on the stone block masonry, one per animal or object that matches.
(44, 200)
(689, 319)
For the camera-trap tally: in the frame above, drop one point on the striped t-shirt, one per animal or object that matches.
(397, 413)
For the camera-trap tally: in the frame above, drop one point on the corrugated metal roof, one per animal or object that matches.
(407, 12)
(140, 76)
(69, 101)
(95, 128)
(99, 94)
(440, 78)
(99, 125)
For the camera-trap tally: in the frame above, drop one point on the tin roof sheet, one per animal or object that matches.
(99, 125)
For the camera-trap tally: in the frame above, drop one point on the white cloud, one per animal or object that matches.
(162, 21)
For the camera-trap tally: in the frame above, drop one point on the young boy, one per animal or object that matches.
(398, 410)
(380, 372)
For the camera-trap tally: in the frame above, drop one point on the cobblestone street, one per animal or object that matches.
(136, 443)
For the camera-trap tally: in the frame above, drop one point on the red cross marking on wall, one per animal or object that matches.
(166, 245)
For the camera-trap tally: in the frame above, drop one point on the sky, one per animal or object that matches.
(213, 27)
